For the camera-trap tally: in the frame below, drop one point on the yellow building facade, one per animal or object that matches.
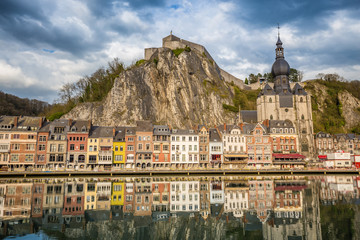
(117, 194)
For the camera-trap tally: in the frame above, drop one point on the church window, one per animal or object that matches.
(302, 117)
(271, 117)
(270, 99)
(281, 130)
(286, 110)
(301, 99)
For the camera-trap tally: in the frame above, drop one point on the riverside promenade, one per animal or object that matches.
(205, 172)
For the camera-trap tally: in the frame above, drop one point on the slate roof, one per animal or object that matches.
(78, 125)
(130, 131)
(249, 116)
(144, 126)
(299, 90)
(323, 135)
(286, 101)
(183, 132)
(101, 132)
(119, 134)
(214, 135)
(161, 130)
(280, 124)
(267, 90)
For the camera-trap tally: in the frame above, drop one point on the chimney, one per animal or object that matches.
(89, 125)
(15, 121)
(224, 127)
(70, 122)
(114, 131)
(40, 122)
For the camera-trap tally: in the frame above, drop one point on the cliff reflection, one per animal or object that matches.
(181, 208)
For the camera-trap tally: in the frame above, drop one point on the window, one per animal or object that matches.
(52, 158)
(118, 158)
(139, 146)
(61, 147)
(72, 146)
(52, 148)
(14, 157)
(165, 147)
(16, 146)
(29, 158)
(30, 147)
(147, 146)
(156, 147)
(82, 146)
(42, 147)
(270, 100)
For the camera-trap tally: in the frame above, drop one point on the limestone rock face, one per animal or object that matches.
(182, 91)
(350, 106)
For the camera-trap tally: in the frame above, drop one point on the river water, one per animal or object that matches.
(237, 207)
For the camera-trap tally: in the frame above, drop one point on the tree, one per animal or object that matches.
(295, 75)
(246, 81)
(252, 78)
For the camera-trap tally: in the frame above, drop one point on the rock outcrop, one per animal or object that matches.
(182, 91)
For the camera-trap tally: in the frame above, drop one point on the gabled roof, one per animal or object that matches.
(267, 90)
(299, 90)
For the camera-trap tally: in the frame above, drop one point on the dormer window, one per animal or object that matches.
(73, 129)
(83, 129)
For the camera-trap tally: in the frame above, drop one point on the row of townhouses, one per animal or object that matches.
(59, 198)
(289, 204)
(32, 143)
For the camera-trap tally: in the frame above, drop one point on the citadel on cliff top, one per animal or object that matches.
(281, 100)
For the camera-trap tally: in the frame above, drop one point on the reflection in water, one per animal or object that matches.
(182, 208)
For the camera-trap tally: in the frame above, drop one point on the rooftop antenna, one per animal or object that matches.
(278, 30)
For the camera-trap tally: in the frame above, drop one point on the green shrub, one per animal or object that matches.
(139, 62)
(178, 51)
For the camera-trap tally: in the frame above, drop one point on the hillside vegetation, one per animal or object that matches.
(328, 107)
(13, 105)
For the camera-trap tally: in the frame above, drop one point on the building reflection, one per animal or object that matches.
(275, 207)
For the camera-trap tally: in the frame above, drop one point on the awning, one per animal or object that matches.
(322, 156)
(290, 155)
(236, 155)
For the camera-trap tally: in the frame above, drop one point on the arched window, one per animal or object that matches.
(291, 130)
(302, 117)
(301, 99)
(270, 99)
(281, 130)
(271, 117)
(286, 130)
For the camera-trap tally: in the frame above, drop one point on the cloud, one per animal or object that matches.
(48, 43)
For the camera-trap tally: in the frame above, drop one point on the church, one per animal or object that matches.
(281, 102)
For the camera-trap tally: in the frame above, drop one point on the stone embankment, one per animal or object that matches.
(179, 173)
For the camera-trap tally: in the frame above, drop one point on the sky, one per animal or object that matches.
(45, 43)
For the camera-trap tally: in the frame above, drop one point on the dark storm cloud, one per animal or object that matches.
(304, 13)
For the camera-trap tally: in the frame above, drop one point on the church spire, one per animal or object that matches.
(279, 49)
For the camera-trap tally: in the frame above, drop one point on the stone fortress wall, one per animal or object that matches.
(172, 42)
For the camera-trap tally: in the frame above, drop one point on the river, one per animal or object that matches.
(215, 207)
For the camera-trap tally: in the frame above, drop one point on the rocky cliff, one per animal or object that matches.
(335, 108)
(178, 89)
